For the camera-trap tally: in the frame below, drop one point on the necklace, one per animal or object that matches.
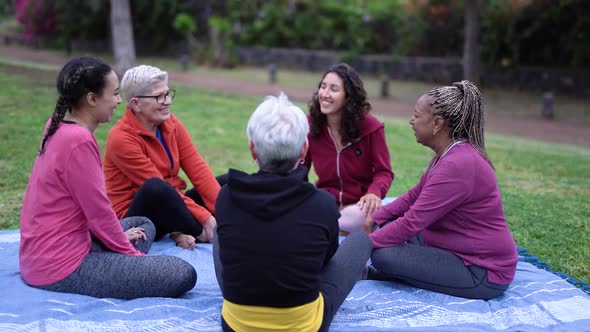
(449, 147)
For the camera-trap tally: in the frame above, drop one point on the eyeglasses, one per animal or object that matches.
(161, 98)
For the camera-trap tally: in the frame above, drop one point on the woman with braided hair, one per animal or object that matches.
(448, 234)
(71, 239)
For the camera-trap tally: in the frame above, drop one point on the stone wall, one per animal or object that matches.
(437, 70)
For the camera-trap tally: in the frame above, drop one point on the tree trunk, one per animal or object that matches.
(122, 36)
(471, 42)
(219, 57)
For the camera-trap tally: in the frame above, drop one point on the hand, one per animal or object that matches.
(135, 234)
(209, 228)
(369, 203)
(369, 225)
(183, 240)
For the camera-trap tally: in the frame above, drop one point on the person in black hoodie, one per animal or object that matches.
(276, 252)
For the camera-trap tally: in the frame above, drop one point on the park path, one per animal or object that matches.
(532, 128)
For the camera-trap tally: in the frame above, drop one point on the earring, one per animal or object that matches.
(301, 161)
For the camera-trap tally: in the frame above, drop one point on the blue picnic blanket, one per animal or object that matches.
(536, 300)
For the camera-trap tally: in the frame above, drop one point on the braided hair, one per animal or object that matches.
(354, 110)
(77, 78)
(461, 106)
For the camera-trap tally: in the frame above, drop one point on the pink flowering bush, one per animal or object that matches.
(38, 18)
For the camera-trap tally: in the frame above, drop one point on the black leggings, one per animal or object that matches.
(434, 269)
(157, 200)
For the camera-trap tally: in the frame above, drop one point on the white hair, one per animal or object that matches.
(278, 130)
(138, 81)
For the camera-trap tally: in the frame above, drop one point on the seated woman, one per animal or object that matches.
(71, 240)
(448, 234)
(144, 152)
(276, 252)
(347, 147)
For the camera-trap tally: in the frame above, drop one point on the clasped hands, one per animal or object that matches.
(369, 203)
(135, 234)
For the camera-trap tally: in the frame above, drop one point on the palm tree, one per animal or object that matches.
(122, 36)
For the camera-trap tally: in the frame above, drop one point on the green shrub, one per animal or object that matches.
(533, 32)
(544, 32)
(184, 23)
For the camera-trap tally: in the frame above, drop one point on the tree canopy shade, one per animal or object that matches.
(513, 32)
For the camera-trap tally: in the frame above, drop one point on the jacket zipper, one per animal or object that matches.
(163, 149)
(341, 192)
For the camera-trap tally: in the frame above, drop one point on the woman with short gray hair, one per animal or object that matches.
(276, 252)
(144, 153)
(279, 132)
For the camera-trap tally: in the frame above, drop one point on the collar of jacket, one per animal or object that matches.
(369, 124)
(131, 121)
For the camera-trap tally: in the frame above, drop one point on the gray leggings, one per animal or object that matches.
(433, 269)
(105, 273)
(337, 278)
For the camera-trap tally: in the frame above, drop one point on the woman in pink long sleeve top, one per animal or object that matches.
(71, 240)
(448, 234)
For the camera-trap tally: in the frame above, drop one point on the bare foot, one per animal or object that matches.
(183, 240)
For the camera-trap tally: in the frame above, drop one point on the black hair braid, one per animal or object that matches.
(73, 80)
(61, 107)
(77, 78)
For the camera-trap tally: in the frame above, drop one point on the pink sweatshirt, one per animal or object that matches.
(65, 203)
(457, 206)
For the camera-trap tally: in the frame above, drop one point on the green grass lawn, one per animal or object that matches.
(546, 188)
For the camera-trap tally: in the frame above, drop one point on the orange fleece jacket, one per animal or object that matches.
(133, 155)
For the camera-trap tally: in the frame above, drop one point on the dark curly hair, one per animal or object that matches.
(354, 110)
(77, 78)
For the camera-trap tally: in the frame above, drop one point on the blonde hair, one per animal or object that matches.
(461, 106)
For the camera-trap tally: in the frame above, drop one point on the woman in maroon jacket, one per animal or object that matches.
(347, 147)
